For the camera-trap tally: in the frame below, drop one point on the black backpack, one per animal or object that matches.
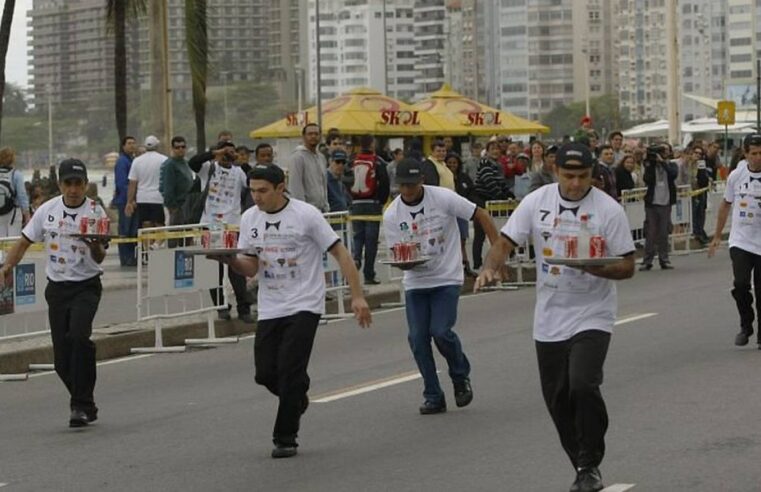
(7, 191)
(192, 209)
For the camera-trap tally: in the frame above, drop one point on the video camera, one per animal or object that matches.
(655, 153)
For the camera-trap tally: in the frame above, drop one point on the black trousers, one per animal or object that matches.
(571, 375)
(242, 298)
(71, 310)
(745, 264)
(657, 226)
(282, 348)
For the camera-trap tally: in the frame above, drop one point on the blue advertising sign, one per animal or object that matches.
(183, 270)
(25, 284)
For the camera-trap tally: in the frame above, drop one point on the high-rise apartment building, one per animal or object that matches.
(471, 63)
(430, 43)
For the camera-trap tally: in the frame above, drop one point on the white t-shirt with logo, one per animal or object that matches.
(569, 301)
(146, 170)
(225, 191)
(433, 224)
(68, 259)
(743, 191)
(289, 244)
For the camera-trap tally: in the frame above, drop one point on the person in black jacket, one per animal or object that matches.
(464, 187)
(660, 178)
(366, 232)
(490, 185)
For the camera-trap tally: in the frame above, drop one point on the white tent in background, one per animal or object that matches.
(709, 125)
(658, 128)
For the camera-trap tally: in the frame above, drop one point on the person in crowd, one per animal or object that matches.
(584, 130)
(713, 158)
(464, 187)
(369, 192)
(740, 199)
(435, 169)
(575, 306)
(537, 157)
(338, 196)
(334, 142)
(14, 200)
(693, 171)
(546, 174)
(225, 136)
(176, 181)
(243, 158)
(288, 262)
(74, 288)
(143, 195)
(427, 215)
(660, 174)
(264, 154)
(140, 150)
(397, 156)
(225, 183)
(92, 194)
(306, 179)
(626, 178)
(36, 198)
(127, 224)
(470, 166)
(415, 149)
(616, 142)
(490, 185)
(604, 177)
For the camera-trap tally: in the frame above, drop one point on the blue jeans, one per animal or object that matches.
(127, 228)
(366, 236)
(699, 215)
(431, 313)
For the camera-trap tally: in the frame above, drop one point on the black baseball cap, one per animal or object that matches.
(409, 171)
(339, 155)
(72, 168)
(575, 156)
(271, 173)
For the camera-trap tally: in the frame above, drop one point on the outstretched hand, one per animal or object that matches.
(361, 312)
(713, 246)
(487, 276)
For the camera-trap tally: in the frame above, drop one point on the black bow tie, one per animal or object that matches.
(73, 216)
(574, 210)
(752, 179)
(419, 212)
(276, 225)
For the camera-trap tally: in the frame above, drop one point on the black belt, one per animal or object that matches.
(74, 283)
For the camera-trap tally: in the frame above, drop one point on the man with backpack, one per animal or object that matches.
(369, 193)
(14, 202)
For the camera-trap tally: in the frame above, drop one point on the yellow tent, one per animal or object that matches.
(458, 115)
(358, 112)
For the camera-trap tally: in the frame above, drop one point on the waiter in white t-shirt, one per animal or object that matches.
(575, 308)
(743, 198)
(74, 288)
(287, 239)
(428, 215)
(225, 183)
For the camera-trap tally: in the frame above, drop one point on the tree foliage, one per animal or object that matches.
(606, 116)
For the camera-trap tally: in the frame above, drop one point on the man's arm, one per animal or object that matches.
(246, 265)
(620, 270)
(197, 160)
(495, 260)
(97, 250)
(349, 270)
(721, 221)
(484, 220)
(14, 256)
(129, 209)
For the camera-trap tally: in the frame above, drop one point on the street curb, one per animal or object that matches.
(110, 346)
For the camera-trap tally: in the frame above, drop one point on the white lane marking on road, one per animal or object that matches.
(104, 363)
(618, 487)
(3, 484)
(635, 317)
(366, 387)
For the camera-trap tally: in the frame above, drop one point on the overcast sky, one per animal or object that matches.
(16, 60)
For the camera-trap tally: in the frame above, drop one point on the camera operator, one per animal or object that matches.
(660, 178)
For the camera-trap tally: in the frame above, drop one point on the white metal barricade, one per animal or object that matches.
(171, 271)
(633, 202)
(500, 211)
(334, 279)
(22, 298)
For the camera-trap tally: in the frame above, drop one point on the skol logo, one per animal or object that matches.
(400, 118)
(297, 119)
(483, 118)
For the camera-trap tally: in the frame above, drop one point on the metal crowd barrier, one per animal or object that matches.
(335, 282)
(500, 211)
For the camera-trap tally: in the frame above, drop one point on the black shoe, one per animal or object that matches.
(371, 281)
(645, 267)
(78, 418)
(463, 393)
(224, 314)
(588, 480)
(92, 414)
(246, 318)
(666, 266)
(741, 339)
(430, 407)
(284, 451)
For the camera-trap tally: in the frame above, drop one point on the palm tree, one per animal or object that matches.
(197, 42)
(5, 34)
(118, 13)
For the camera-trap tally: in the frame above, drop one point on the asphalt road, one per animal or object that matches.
(683, 403)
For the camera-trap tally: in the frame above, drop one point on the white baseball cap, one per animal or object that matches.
(151, 142)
